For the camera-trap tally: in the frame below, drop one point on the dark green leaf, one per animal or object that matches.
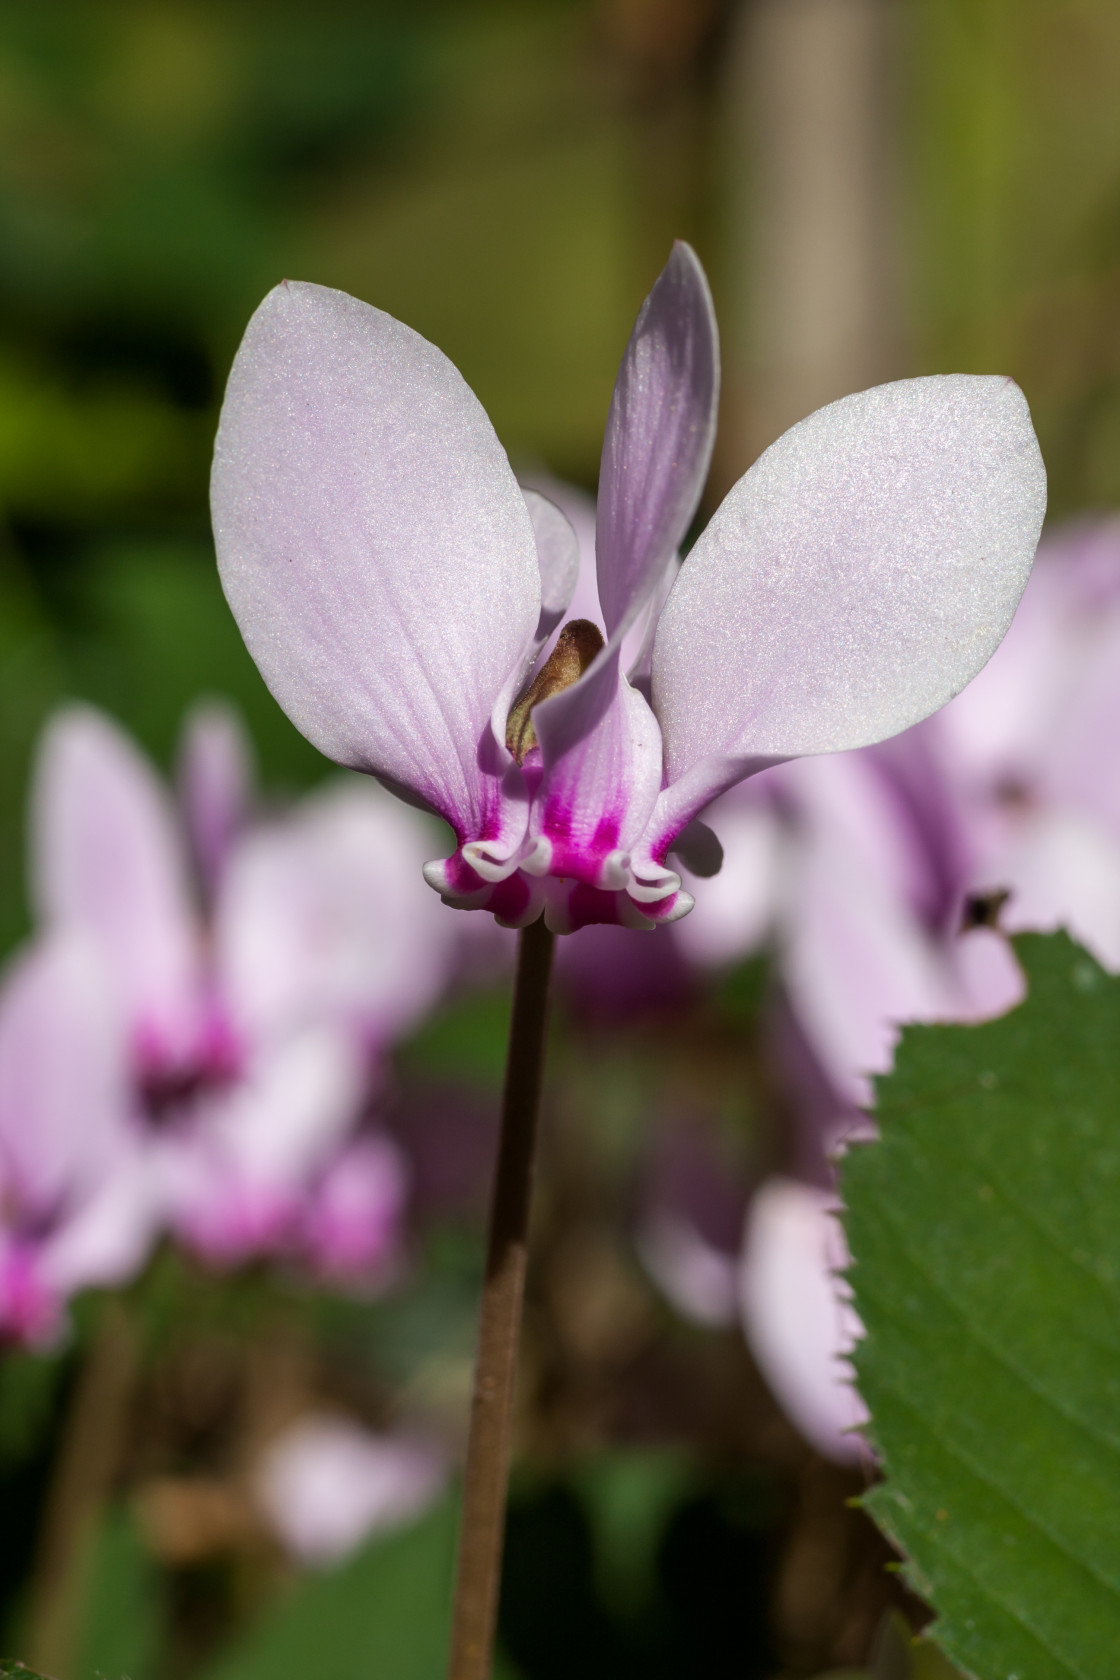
(985, 1230)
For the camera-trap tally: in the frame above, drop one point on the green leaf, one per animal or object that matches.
(12, 1670)
(985, 1232)
(383, 1615)
(122, 1622)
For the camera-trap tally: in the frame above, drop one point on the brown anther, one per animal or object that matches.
(576, 647)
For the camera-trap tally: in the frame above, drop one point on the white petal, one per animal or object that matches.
(372, 540)
(855, 578)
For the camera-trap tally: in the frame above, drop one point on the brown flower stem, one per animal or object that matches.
(488, 1450)
(88, 1456)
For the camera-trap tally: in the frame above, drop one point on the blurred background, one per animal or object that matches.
(877, 188)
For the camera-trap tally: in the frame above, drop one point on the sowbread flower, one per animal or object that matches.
(77, 1202)
(398, 590)
(252, 1018)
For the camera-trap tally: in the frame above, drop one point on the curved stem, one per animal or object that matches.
(488, 1450)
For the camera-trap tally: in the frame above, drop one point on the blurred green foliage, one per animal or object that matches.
(1010, 125)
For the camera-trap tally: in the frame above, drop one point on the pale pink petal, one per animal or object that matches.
(558, 557)
(236, 1179)
(326, 1484)
(798, 1315)
(64, 1099)
(989, 979)
(1080, 768)
(859, 574)
(856, 963)
(351, 1228)
(215, 784)
(659, 435)
(107, 860)
(374, 545)
(1063, 870)
(325, 916)
(105, 1241)
(700, 1281)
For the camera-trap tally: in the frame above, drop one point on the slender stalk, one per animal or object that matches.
(89, 1454)
(488, 1449)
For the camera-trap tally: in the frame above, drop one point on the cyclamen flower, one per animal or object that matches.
(1035, 753)
(77, 1202)
(857, 868)
(397, 589)
(250, 1034)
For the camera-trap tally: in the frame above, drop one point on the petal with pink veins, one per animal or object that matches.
(594, 800)
(375, 547)
(660, 430)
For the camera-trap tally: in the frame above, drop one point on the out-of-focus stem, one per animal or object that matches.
(488, 1450)
(88, 1457)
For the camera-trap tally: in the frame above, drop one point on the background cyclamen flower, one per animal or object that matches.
(396, 587)
(326, 1484)
(77, 1200)
(254, 1031)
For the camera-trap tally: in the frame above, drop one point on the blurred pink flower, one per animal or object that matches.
(798, 1316)
(860, 894)
(1035, 747)
(326, 1484)
(397, 589)
(77, 1202)
(254, 1031)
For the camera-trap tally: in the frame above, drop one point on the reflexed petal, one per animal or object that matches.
(658, 442)
(64, 1101)
(595, 797)
(106, 859)
(797, 1313)
(855, 578)
(325, 916)
(373, 543)
(215, 784)
(558, 555)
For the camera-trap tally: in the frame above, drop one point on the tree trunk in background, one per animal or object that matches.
(811, 249)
